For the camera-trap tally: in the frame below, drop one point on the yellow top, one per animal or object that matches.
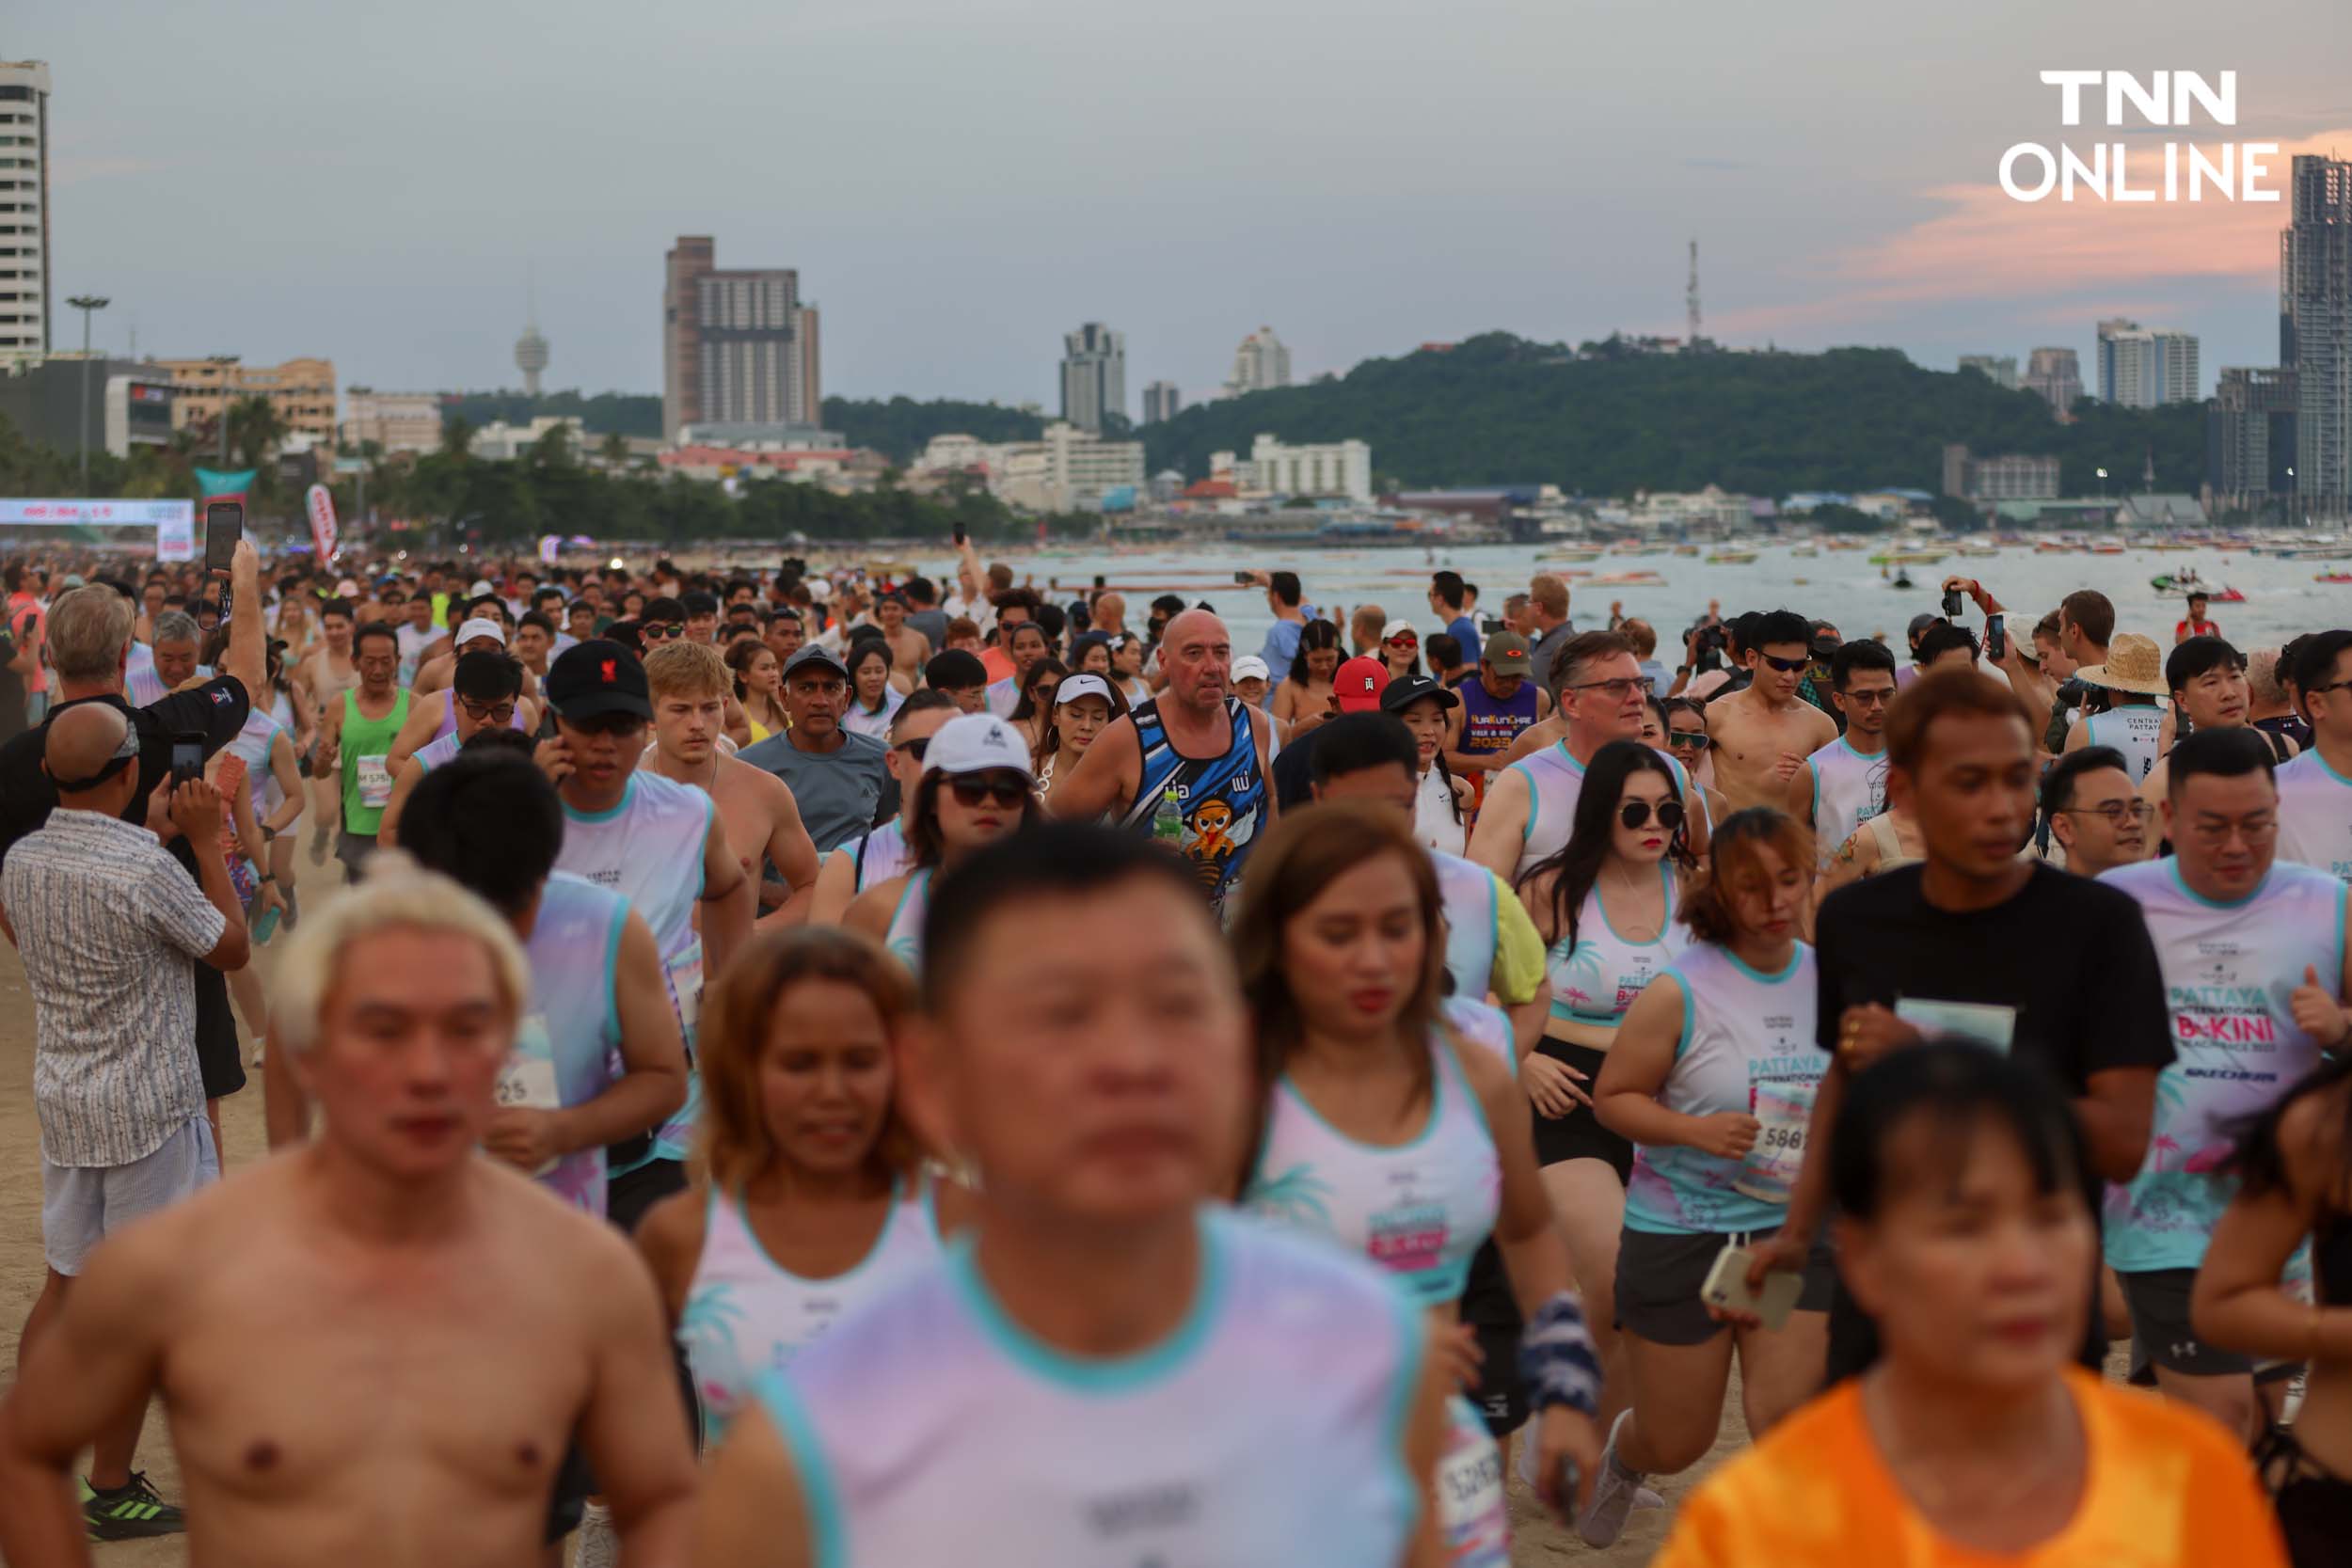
(2166, 1488)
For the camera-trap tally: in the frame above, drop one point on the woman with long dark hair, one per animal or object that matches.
(873, 702)
(1303, 698)
(1084, 706)
(1440, 820)
(975, 789)
(1711, 1076)
(1385, 1131)
(1604, 905)
(1035, 710)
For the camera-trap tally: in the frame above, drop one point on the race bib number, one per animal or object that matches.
(375, 783)
(1472, 1517)
(1781, 1110)
(527, 1082)
(686, 985)
(1981, 1023)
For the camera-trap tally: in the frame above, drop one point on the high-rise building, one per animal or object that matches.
(23, 210)
(302, 391)
(2143, 368)
(2014, 476)
(1093, 376)
(1260, 362)
(1160, 402)
(2056, 374)
(738, 347)
(2315, 331)
(2001, 370)
(2250, 438)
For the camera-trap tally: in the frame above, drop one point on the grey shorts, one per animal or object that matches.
(1658, 1279)
(2161, 1333)
(83, 1205)
(352, 850)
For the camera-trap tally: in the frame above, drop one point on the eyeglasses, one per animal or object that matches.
(1617, 690)
(1876, 698)
(1785, 666)
(1634, 814)
(2310, 691)
(493, 713)
(662, 628)
(1003, 790)
(2114, 811)
(1695, 739)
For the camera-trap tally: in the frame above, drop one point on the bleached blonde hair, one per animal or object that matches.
(397, 896)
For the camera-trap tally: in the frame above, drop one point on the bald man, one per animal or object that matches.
(111, 928)
(1110, 613)
(1195, 742)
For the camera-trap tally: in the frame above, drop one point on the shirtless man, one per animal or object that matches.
(372, 1350)
(1761, 736)
(909, 648)
(687, 682)
(324, 677)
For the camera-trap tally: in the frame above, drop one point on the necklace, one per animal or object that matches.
(1633, 891)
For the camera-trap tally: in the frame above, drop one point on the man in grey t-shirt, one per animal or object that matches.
(837, 778)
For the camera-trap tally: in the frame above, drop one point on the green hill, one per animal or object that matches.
(901, 428)
(1498, 409)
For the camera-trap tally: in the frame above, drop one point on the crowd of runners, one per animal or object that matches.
(817, 1069)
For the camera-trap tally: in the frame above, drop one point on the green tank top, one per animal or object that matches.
(367, 781)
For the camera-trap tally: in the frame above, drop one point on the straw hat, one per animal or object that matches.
(2133, 664)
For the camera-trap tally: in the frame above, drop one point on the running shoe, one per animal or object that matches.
(130, 1512)
(318, 849)
(1613, 1494)
(1525, 1464)
(293, 910)
(596, 1546)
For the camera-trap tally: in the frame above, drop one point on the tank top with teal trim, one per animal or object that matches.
(1419, 1209)
(1264, 1431)
(746, 1314)
(904, 939)
(1595, 980)
(1469, 892)
(568, 1039)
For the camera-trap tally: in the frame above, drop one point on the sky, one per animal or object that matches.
(959, 182)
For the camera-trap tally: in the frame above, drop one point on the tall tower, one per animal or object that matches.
(531, 349)
(2315, 332)
(1690, 344)
(25, 264)
(1093, 376)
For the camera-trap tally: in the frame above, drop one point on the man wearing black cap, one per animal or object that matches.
(660, 844)
(835, 775)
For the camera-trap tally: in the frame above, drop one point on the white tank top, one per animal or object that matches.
(1848, 789)
(1747, 1045)
(1596, 980)
(904, 939)
(1264, 1433)
(253, 743)
(1470, 893)
(1419, 1209)
(881, 855)
(2315, 814)
(1554, 780)
(1434, 822)
(566, 1045)
(746, 1314)
(2132, 730)
(2230, 970)
(649, 850)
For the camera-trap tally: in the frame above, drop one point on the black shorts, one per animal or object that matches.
(352, 850)
(219, 1060)
(2162, 1334)
(574, 1486)
(1579, 1135)
(1490, 1307)
(1659, 1277)
(628, 1197)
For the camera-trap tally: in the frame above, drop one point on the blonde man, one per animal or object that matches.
(691, 685)
(386, 1261)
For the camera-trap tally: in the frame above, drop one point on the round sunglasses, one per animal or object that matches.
(1635, 813)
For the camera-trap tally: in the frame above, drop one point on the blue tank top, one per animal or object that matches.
(1224, 797)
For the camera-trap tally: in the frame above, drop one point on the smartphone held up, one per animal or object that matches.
(224, 525)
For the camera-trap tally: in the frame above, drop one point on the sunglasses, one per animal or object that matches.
(1634, 814)
(914, 747)
(1695, 739)
(1002, 791)
(1407, 641)
(662, 628)
(1785, 666)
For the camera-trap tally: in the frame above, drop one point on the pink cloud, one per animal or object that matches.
(1986, 246)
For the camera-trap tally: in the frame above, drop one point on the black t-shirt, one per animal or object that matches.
(218, 710)
(2071, 954)
(12, 692)
(1293, 774)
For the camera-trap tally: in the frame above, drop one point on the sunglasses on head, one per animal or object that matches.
(1001, 789)
(1633, 814)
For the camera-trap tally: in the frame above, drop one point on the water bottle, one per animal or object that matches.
(1168, 819)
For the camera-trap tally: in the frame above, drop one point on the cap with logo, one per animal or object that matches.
(1404, 691)
(975, 743)
(1357, 684)
(597, 677)
(1075, 687)
(1506, 653)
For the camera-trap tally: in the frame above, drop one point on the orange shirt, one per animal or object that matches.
(2166, 1488)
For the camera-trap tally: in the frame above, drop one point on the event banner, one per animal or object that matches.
(174, 521)
(321, 506)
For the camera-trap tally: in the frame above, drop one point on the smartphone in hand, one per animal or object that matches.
(187, 758)
(1728, 1287)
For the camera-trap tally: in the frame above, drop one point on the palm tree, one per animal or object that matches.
(255, 430)
(613, 449)
(553, 449)
(458, 436)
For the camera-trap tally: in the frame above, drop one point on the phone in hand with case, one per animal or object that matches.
(1728, 1287)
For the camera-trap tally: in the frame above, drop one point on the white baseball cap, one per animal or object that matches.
(482, 586)
(1250, 665)
(1398, 628)
(1074, 687)
(975, 743)
(819, 589)
(480, 626)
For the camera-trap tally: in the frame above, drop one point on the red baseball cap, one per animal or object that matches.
(1358, 685)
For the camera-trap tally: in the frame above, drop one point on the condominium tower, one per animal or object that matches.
(738, 346)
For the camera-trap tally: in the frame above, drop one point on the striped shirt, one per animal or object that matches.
(109, 925)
